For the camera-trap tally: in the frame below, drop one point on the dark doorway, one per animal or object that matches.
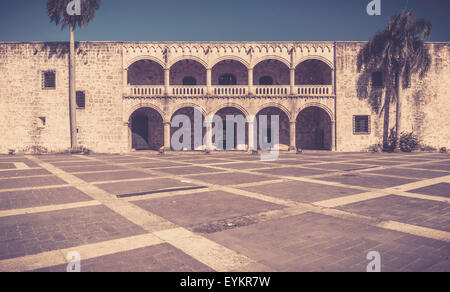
(313, 129)
(147, 129)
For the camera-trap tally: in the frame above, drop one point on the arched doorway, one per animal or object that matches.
(235, 131)
(147, 129)
(313, 129)
(268, 129)
(195, 126)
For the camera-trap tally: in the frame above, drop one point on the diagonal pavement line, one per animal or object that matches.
(89, 251)
(212, 254)
(49, 208)
(14, 169)
(35, 188)
(415, 230)
(334, 212)
(21, 165)
(397, 190)
(218, 257)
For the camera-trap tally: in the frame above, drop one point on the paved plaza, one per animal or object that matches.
(226, 211)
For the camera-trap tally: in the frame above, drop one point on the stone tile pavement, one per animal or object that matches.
(226, 211)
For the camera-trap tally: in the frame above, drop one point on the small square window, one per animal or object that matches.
(377, 79)
(48, 80)
(361, 124)
(81, 99)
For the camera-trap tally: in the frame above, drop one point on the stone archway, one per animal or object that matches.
(314, 129)
(283, 129)
(147, 129)
(234, 123)
(197, 127)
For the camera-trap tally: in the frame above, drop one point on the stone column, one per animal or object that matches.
(251, 135)
(250, 81)
(208, 134)
(208, 82)
(293, 141)
(292, 80)
(167, 136)
(166, 81)
(333, 136)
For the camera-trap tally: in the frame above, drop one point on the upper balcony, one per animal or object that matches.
(229, 77)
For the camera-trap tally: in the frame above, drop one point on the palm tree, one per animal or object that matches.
(399, 51)
(57, 11)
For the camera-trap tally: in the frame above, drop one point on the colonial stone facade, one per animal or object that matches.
(133, 90)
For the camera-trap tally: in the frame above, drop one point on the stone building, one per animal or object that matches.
(128, 93)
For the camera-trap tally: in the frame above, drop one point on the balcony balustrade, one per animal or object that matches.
(232, 90)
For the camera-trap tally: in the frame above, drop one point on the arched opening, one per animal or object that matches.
(313, 72)
(271, 72)
(235, 131)
(313, 129)
(268, 129)
(189, 70)
(147, 129)
(195, 130)
(145, 72)
(189, 80)
(229, 72)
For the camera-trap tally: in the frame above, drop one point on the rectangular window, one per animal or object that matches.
(81, 99)
(361, 124)
(48, 80)
(377, 79)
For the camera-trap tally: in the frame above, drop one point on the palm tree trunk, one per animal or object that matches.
(398, 115)
(72, 91)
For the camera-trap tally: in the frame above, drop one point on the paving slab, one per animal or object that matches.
(113, 175)
(435, 166)
(426, 213)
(440, 190)
(370, 181)
(41, 197)
(22, 182)
(314, 242)
(152, 185)
(230, 178)
(412, 173)
(188, 170)
(201, 208)
(87, 168)
(302, 191)
(36, 233)
(292, 171)
(22, 173)
(158, 258)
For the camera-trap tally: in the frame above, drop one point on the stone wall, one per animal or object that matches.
(23, 100)
(31, 116)
(425, 107)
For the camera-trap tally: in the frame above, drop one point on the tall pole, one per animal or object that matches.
(72, 91)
